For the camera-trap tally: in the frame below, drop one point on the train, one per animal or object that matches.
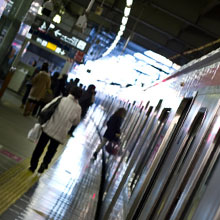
(168, 166)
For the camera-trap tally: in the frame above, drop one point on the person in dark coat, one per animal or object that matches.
(55, 82)
(87, 99)
(113, 131)
(85, 102)
(60, 88)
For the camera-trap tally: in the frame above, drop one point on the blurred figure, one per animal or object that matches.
(40, 84)
(72, 84)
(55, 82)
(81, 86)
(7, 62)
(87, 99)
(113, 131)
(56, 128)
(61, 87)
(29, 85)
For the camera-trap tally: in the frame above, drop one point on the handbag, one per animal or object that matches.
(112, 148)
(34, 133)
(46, 114)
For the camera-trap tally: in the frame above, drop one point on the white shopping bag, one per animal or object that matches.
(34, 133)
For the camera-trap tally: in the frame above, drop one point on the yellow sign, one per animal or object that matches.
(51, 46)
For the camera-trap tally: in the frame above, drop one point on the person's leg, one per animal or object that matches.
(27, 92)
(27, 108)
(101, 145)
(52, 148)
(33, 106)
(35, 109)
(44, 138)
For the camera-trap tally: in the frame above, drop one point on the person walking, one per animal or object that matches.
(40, 84)
(56, 128)
(87, 99)
(85, 102)
(112, 132)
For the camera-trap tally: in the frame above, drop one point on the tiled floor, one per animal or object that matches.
(68, 190)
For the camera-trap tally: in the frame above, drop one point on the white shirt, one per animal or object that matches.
(68, 113)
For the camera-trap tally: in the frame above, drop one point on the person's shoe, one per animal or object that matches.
(42, 168)
(31, 169)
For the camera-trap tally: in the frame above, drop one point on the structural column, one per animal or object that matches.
(9, 25)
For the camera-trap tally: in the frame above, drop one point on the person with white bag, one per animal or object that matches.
(55, 130)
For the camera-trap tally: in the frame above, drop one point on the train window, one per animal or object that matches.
(152, 149)
(176, 126)
(203, 180)
(179, 161)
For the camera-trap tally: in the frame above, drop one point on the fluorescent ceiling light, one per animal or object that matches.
(120, 33)
(127, 11)
(117, 38)
(124, 20)
(129, 2)
(159, 58)
(57, 18)
(122, 27)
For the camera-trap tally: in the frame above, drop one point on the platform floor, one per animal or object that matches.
(67, 190)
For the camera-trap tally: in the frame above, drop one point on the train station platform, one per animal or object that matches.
(69, 189)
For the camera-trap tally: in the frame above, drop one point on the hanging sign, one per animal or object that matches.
(73, 41)
(59, 34)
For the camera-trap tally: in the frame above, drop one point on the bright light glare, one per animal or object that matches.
(175, 66)
(129, 2)
(124, 20)
(158, 58)
(57, 19)
(117, 38)
(120, 33)
(122, 28)
(40, 11)
(127, 11)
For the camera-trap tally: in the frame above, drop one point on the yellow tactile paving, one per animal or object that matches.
(18, 180)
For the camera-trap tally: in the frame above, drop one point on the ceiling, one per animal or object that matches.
(168, 27)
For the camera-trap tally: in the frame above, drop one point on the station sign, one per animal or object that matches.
(50, 46)
(73, 41)
(59, 34)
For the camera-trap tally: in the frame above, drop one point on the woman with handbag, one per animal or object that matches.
(112, 132)
(55, 130)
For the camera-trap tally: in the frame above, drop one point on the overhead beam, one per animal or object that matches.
(148, 39)
(170, 36)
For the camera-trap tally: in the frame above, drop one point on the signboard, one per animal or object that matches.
(73, 41)
(50, 46)
(59, 34)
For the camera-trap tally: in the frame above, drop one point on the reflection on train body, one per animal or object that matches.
(169, 160)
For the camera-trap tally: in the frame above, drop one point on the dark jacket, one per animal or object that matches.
(113, 128)
(85, 101)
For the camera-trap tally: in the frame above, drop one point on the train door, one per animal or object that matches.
(197, 195)
(183, 159)
(166, 201)
(144, 119)
(151, 150)
(146, 183)
(133, 158)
